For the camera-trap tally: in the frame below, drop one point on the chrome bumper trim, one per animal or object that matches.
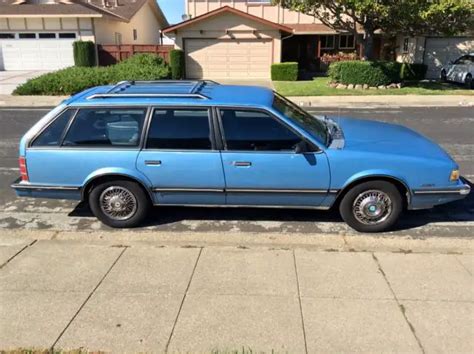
(22, 186)
(465, 189)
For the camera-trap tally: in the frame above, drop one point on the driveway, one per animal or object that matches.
(9, 80)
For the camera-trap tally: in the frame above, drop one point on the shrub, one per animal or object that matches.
(177, 64)
(75, 79)
(84, 53)
(413, 71)
(285, 71)
(365, 72)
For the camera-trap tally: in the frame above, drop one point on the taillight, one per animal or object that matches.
(23, 169)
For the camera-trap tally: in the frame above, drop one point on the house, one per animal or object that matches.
(242, 38)
(38, 34)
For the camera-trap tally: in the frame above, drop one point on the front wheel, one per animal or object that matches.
(373, 206)
(119, 204)
(443, 76)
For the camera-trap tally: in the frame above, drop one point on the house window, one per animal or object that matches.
(7, 35)
(406, 42)
(27, 35)
(46, 35)
(327, 42)
(135, 34)
(346, 41)
(67, 35)
(118, 38)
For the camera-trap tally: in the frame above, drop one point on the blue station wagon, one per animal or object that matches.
(127, 147)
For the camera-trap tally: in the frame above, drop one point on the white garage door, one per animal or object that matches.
(231, 59)
(439, 51)
(44, 54)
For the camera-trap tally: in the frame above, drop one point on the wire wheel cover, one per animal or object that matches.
(118, 203)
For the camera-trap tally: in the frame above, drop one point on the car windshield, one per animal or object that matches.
(302, 118)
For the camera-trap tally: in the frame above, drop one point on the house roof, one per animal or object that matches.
(121, 10)
(314, 28)
(227, 9)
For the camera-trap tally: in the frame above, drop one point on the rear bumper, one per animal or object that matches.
(25, 189)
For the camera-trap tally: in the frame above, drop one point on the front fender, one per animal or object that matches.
(383, 173)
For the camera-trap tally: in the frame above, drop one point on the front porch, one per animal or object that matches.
(308, 50)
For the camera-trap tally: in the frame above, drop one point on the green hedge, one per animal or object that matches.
(75, 79)
(285, 71)
(177, 64)
(84, 53)
(365, 72)
(413, 71)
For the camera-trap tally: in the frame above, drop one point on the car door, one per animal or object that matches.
(180, 158)
(262, 165)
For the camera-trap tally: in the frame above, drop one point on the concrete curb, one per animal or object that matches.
(310, 101)
(322, 242)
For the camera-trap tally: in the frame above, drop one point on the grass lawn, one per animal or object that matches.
(319, 87)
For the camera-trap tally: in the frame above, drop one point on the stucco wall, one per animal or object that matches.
(144, 22)
(236, 26)
(272, 13)
(416, 48)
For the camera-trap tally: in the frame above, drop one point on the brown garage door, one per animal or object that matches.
(228, 58)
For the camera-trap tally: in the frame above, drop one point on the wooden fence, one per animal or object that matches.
(112, 54)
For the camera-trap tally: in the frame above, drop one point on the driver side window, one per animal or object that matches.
(256, 131)
(106, 127)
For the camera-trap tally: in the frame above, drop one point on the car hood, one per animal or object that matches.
(378, 137)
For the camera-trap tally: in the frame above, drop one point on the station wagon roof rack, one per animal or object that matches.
(156, 89)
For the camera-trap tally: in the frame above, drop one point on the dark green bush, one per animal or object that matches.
(177, 64)
(413, 71)
(75, 79)
(84, 53)
(285, 71)
(365, 72)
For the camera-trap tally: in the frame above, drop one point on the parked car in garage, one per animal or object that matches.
(461, 71)
(127, 147)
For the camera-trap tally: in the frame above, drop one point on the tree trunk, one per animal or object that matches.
(368, 44)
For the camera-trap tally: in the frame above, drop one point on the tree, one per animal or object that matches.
(410, 17)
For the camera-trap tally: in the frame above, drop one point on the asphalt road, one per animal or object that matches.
(451, 127)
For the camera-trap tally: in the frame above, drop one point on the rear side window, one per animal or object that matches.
(181, 129)
(103, 127)
(255, 131)
(51, 136)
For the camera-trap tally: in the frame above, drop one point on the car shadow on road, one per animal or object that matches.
(459, 211)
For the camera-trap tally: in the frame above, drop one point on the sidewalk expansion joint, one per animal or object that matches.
(462, 265)
(400, 305)
(17, 254)
(52, 349)
(299, 301)
(182, 301)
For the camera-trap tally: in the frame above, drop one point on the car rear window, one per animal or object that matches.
(117, 127)
(51, 136)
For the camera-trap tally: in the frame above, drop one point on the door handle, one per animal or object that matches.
(242, 163)
(153, 162)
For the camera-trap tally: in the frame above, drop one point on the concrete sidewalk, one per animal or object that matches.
(316, 101)
(151, 296)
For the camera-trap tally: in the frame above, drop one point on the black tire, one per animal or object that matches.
(132, 193)
(365, 194)
(443, 76)
(469, 82)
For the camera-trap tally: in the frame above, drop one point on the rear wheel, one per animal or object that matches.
(469, 82)
(119, 204)
(373, 206)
